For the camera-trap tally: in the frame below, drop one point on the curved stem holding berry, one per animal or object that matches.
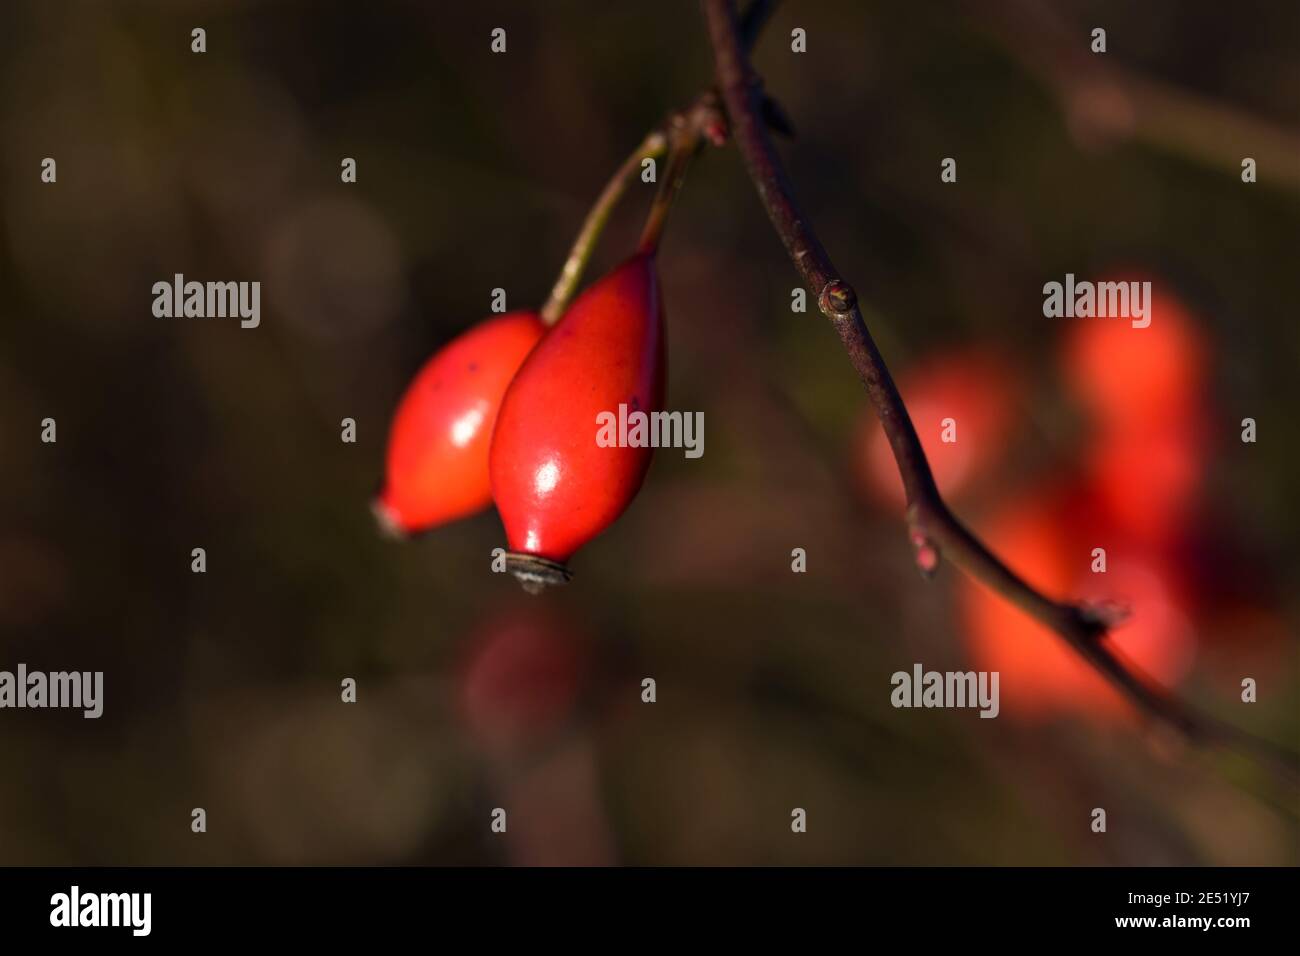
(704, 118)
(687, 132)
(653, 146)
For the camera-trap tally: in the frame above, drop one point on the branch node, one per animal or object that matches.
(837, 299)
(715, 131)
(1102, 616)
(925, 553)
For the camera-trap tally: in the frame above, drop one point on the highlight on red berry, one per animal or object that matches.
(554, 486)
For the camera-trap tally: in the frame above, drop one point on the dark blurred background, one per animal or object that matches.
(474, 169)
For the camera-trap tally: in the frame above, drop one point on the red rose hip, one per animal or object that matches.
(437, 468)
(554, 486)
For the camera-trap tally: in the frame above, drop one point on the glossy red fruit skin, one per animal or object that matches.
(437, 463)
(554, 487)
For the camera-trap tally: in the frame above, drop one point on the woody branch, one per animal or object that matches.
(934, 530)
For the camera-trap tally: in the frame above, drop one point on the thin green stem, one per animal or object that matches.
(705, 109)
(653, 146)
(685, 141)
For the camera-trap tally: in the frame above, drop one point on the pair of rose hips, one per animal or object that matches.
(507, 413)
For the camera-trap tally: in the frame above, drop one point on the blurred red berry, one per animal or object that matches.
(1144, 392)
(1048, 538)
(1147, 476)
(521, 679)
(1125, 375)
(437, 469)
(1249, 640)
(978, 390)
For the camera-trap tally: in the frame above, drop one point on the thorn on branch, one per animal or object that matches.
(1105, 615)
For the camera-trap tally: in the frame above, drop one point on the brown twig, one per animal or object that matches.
(934, 529)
